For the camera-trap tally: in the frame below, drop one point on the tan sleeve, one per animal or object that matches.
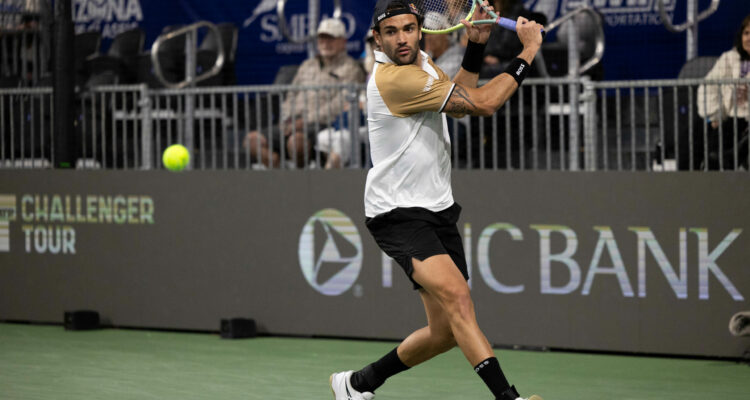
(407, 89)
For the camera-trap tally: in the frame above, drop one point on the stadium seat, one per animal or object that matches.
(127, 44)
(694, 69)
(120, 57)
(172, 56)
(208, 50)
(697, 68)
(87, 44)
(104, 78)
(285, 74)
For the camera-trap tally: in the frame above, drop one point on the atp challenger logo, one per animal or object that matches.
(7, 215)
(330, 252)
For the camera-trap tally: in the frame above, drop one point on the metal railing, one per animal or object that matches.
(191, 62)
(624, 126)
(662, 117)
(26, 139)
(572, 39)
(691, 25)
(191, 49)
(24, 41)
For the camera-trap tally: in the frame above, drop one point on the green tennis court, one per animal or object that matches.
(47, 362)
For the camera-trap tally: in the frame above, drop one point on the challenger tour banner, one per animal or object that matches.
(633, 262)
(631, 27)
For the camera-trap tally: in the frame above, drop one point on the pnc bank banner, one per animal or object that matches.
(632, 262)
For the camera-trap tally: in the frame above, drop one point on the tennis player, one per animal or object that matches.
(408, 200)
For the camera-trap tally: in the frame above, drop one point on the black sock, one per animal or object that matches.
(490, 372)
(372, 376)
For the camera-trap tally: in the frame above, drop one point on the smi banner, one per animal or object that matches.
(631, 27)
(632, 262)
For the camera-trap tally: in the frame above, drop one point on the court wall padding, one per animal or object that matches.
(632, 262)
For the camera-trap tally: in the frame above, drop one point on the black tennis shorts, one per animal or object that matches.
(415, 232)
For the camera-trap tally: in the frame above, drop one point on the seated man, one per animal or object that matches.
(446, 50)
(305, 110)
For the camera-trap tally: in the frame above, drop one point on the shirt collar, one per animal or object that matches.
(382, 58)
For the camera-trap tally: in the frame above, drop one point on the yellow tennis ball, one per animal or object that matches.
(176, 157)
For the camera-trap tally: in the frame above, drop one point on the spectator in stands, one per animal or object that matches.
(335, 142)
(447, 50)
(720, 104)
(368, 56)
(504, 45)
(304, 112)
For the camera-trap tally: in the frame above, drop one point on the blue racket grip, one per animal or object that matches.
(508, 23)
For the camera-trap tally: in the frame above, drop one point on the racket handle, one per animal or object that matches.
(509, 24)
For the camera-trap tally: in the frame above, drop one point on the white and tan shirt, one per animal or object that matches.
(409, 142)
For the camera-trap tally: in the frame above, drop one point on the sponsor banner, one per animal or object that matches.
(7, 214)
(632, 262)
(632, 27)
(638, 46)
(262, 48)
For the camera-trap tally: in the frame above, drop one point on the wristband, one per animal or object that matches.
(473, 57)
(518, 69)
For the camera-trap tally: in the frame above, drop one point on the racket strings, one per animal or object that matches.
(444, 14)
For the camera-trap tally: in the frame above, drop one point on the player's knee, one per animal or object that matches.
(441, 339)
(445, 342)
(457, 301)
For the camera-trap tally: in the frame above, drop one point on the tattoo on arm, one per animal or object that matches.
(460, 103)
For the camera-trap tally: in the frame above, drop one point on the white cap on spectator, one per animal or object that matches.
(332, 27)
(436, 19)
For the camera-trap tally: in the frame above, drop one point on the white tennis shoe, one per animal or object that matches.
(342, 388)
(511, 393)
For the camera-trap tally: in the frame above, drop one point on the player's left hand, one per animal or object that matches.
(479, 33)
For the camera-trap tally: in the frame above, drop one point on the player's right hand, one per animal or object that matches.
(529, 32)
(479, 33)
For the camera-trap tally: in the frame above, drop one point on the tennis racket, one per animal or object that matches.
(444, 16)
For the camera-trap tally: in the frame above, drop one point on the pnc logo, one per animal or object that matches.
(7, 215)
(330, 252)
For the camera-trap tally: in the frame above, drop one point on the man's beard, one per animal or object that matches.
(411, 59)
